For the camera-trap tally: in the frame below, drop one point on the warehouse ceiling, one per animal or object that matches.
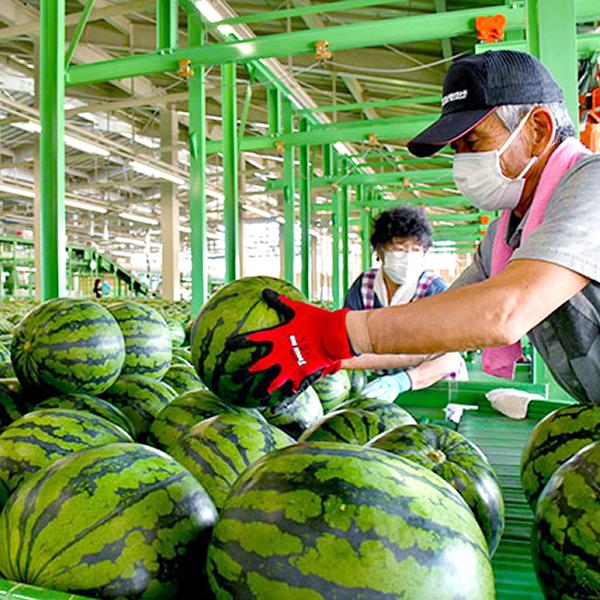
(122, 119)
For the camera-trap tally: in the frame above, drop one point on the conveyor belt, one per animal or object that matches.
(503, 441)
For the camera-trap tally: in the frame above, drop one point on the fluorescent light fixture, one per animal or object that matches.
(185, 229)
(87, 147)
(131, 241)
(156, 172)
(70, 140)
(17, 190)
(212, 15)
(341, 148)
(86, 206)
(121, 253)
(138, 218)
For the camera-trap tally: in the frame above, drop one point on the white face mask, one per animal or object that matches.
(403, 268)
(479, 177)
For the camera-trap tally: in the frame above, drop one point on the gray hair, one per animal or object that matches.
(511, 115)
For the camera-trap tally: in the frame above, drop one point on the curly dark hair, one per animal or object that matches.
(401, 221)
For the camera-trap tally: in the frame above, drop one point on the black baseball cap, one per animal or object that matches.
(474, 86)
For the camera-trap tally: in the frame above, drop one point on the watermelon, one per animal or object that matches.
(358, 381)
(326, 520)
(295, 415)
(179, 360)
(237, 308)
(11, 408)
(565, 535)
(147, 339)
(183, 353)
(91, 404)
(390, 415)
(458, 461)
(333, 390)
(182, 378)
(39, 438)
(177, 331)
(184, 411)
(141, 398)
(4, 354)
(120, 521)
(7, 370)
(68, 345)
(218, 450)
(555, 439)
(348, 426)
(6, 327)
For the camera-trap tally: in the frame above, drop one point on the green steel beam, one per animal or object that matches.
(374, 104)
(197, 141)
(246, 106)
(83, 20)
(273, 111)
(369, 202)
(230, 170)
(344, 232)
(305, 172)
(328, 158)
(52, 149)
(277, 15)
(394, 128)
(289, 194)
(400, 30)
(365, 229)
(336, 282)
(167, 25)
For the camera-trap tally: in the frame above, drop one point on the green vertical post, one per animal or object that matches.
(305, 201)
(289, 192)
(274, 110)
(336, 210)
(328, 160)
(556, 20)
(365, 228)
(345, 234)
(197, 142)
(230, 169)
(167, 24)
(52, 149)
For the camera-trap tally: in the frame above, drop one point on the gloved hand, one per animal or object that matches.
(388, 387)
(310, 343)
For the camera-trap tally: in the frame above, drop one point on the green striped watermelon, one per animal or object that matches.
(566, 532)
(121, 521)
(237, 308)
(218, 450)
(68, 345)
(295, 415)
(333, 390)
(179, 360)
(358, 381)
(7, 370)
(6, 327)
(39, 438)
(555, 439)
(11, 408)
(147, 339)
(4, 354)
(184, 411)
(458, 461)
(183, 378)
(389, 414)
(323, 520)
(177, 331)
(141, 398)
(348, 426)
(184, 353)
(91, 404)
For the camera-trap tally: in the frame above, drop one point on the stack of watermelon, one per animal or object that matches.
(104, 515)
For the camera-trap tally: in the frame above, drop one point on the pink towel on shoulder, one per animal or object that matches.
(501, 361)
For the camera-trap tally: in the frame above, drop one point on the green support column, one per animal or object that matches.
(167, 24)
(289, 192)
(345, 233)
(274, 111)
(230, 170)
(52, 149)
(549, 21)
(305, 201)
(336, 213)
(365, 228)
(197, 140)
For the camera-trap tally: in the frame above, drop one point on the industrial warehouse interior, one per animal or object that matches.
(299, 299)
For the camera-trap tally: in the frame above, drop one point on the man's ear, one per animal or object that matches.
(544, 130)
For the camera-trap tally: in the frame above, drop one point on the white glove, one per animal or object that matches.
(510, 402)
(389, 387)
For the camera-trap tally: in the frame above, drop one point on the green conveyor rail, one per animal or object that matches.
(502, 439)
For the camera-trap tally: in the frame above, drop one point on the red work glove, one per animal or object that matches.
(310, 343)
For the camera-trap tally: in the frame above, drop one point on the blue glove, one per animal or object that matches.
(389, 387)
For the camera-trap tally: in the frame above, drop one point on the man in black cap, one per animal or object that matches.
(537, 271)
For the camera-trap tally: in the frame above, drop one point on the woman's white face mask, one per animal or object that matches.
(403, 268)
(479, 178)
